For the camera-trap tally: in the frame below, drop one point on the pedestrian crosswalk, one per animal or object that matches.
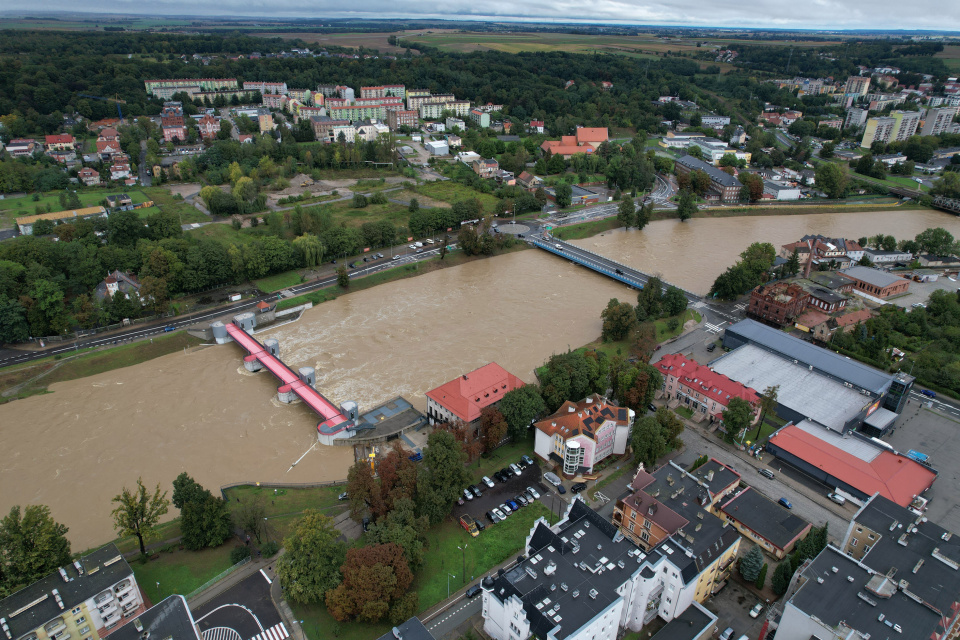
(699, 304)
(221, 633)
(741, 306)
(276, 632)
(714, 328)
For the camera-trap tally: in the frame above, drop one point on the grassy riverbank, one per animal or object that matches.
(21, 381)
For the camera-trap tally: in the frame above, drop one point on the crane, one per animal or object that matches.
(116, 99)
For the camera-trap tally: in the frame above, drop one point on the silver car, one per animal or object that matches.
(533, 492)
(500, 514)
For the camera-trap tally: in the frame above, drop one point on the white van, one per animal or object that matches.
(418, 245)
(552, 479)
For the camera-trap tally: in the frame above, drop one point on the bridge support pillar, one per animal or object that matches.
(251, 364)
(285, 394)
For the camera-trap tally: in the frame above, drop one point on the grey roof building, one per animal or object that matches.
(716, 175)
(765, 522)
(169, 620)
(412, 629)
(876, 277)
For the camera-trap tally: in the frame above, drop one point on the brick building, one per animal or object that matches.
(875, 282)
(706, 392)
(723, 186)
(779, 303)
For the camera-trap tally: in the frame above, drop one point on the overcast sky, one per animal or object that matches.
(817, 14)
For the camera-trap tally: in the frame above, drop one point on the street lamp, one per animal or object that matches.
(449, 575)
(464, 550)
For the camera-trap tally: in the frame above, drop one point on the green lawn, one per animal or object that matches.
(486, 465)
(165, 200)
(684, 412)
(284, 506)
(391, 211)
(278, 282)
(181, 571)
(665, 333)
(451, 192)
(225, 233)
(12, 208)
(585, 229)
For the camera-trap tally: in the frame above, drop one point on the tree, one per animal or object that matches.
(363, 491)
(204, 522)
(32, 545)
(373, 577)
(13, 321)
(186, 489)
(618, 319)
(647, 442)
(359, 201)
(937, 241)
(343, 279)
(792, 267)
(520, 407)
(138, 512)
(832, 179)
(768, 404)
(442, 476)
(310, 565)
(563, 194)
(626, 212)
(762, 578)
(674, 301)
(493, 428)
(644, 214)
(404, 528)
(781, 577)
(414, 205)
(737, 417)
(751, 564)
(251, 516)
(948, 185)
(687, 208)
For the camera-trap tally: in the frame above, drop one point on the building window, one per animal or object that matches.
(644, 536)
(75, 610)
(646, 524)
(871, 536)
(80, 620)
(854, 542)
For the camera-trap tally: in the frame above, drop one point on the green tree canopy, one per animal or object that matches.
(32, 545)
(618, 319)
(310, 565)
(520, 407)
(737, 417)
(442, 476)
(138, 512)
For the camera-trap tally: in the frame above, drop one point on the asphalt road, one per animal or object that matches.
(246, 608)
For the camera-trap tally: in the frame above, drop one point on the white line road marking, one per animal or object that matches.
(223, 606)
(264, 573)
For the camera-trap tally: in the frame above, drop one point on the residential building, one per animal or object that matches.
(877, 130)
(175, 134)
(160, 87)
(826, 300)
(778, 304)
(414, 101)
(880, 257)
(762, 520)
(584, 140)
(108, 143)
(738, 137)
(582, 580)
(723, 186)
(172, 114)
(377, 109)
(25, 223)
(830, 123)
(772, 349)
(579, 196)
(481, 118)
(857, 86)
(699, 388)
(455, 123)
(535, 126)
(89, 177)
(22, 147)
(274, 100)
(658, 505)
(89, 599)
(323, 127)
(581, 434)
(935, 122)
(906, 126)
(120, 170)
(209, 126)
(839, 597)
(463, 398)
(856, 118)
(415, 96)
(370, 130)
(60, 142)
(116, 282)
(266, 87)
(265, 120)
(431, 110)
(713, 120)
(397, 118)
(875, 282)
(485, 167)
(529, 181)
(816, 323)
(453, 142)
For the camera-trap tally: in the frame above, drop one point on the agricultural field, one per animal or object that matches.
(951, 57)
(449, 191)
(351, 40)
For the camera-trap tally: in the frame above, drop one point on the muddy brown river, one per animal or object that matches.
(200, 412)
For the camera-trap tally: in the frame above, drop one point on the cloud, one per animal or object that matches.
(812, 14)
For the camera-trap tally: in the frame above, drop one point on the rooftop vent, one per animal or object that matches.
(564, 587)
(576, 593)
(593, 594)
(550, 569)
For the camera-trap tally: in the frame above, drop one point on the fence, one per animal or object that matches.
(209, 583)
(280, 485)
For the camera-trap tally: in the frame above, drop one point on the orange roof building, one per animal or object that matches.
(581, 434)
(584, 140)
(463, 398)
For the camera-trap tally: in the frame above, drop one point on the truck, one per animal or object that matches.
(470, 525)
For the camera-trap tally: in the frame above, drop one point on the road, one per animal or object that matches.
(145, 179)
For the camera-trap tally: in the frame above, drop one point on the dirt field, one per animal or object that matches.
(376, 41)
(185, 189)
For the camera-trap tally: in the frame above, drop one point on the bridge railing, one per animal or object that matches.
(554, 250)
(608, 272)
(949, 204)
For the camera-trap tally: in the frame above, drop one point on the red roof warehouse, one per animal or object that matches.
(463, 398)
(890, 474)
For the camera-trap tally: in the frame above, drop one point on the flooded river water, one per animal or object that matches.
(200, 412)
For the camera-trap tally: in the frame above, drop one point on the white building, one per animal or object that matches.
(582, 580)
(711, 120)
(437, 147)
(581, 434)
(456, 123)
(370, 131)
(781, 191)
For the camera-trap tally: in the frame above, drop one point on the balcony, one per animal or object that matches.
(106, 596)
(130, 604)
(107, 611)
(54, 627)
(124, 587)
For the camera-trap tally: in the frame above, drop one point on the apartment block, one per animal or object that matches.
(397, 118)
(856, 118)
(877, 130)
(939, 120)
(435, 110)
(86, 600)
(857, 86)
(906, 125)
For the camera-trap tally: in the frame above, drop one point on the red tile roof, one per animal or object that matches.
(708, 382)
(591, 134)
(467, 395)
(893, 476)
(582, 418)
(811, 318)
(62, 138)
(854, 317)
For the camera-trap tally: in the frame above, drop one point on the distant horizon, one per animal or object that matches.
(294, 11)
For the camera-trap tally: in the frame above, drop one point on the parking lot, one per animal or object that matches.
(920, 291)
(500, 493)
(732, 607)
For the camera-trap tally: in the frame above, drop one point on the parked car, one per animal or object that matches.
(727, 634)
(516, 469)
(552, 478)
(766, 473)
(836, 497)
(468, 494)
(492, 517)
(169, 328)
(473, 591)
(711, 347)
(513, 505)
(783, 502)
(528, 496)
(480, 525)
(928, 393)
(487, 481)
(519, 499)
(577, 488)
(499, 514)
(757, 608)
(560, 489)
(343, 496)
(419, 250)
(507, 472)
(533, 492)
(527, 460)
(395, 258)
(507, 510)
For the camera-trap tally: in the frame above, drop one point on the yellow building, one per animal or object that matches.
(265, 118)
(25, 223)
(86, 600)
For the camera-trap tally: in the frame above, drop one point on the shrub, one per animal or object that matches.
(762, 577)
(269, 549)
(239, 554)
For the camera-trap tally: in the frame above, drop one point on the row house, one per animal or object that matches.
(266, 87)
(701, 389)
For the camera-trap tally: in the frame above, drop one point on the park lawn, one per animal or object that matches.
(278, 282)
(285, 501)
(665, 333)
(147, 211)
(451, 192)
(180, 572)
(165, 200)
(13, 208)
(224, 233)
(585, 229)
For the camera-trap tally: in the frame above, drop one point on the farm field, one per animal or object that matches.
(951, 57)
